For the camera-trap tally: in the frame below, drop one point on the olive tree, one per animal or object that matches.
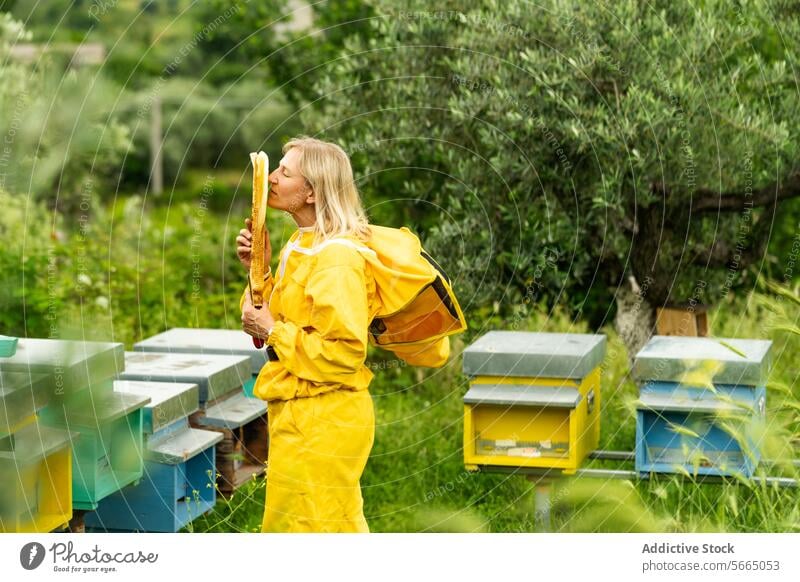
(607, 156)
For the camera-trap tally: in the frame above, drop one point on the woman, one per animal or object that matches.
(322, 299)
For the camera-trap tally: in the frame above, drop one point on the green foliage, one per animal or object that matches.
(204, 127)
(256, 33)
(560, 146)
(141, 37)
(124, 271)
(60, 137)
(243, 35)
(545, 151)
(24, 259)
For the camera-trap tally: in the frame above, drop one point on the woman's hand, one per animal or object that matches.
(244, 245)
(256, 322)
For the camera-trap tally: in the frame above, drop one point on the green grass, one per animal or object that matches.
(136, 267)
(415, 479)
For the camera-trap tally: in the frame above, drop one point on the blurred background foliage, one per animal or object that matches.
(564, 161)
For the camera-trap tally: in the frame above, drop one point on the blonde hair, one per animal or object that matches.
(327, 170)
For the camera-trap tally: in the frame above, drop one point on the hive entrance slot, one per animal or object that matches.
(532, 449)
(706, 458)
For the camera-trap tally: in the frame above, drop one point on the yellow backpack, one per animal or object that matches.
(418, 303)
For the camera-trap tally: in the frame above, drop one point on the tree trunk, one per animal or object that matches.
(635, 320)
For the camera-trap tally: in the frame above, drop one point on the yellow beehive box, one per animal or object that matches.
(533, 400)
(37, 469)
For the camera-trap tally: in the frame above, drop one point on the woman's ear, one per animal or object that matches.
(308, 190)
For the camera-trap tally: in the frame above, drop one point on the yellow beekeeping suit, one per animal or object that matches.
(321, 419)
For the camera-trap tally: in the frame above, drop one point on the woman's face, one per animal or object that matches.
(288, 188)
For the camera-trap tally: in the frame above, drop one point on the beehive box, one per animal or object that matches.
(534, 399)
(22, 395)
(226, 342)
(109, 453)
(214, 375)
(72, 367)
(179, 474)
(242, 452)
(702, 404)
(36, 469)
(223, 407)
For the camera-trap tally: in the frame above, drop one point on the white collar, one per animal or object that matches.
(305, 228)
(292, 246)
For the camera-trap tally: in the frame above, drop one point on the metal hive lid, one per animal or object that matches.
(690, 359)
(182, 445)
(214, 375)
(537, 354)
(168, 401)
(21, 395)
(35, 441)
(660, 402)
(233, 412)
(95, 410)
(184, 340)
(70, 365)
(520, 395)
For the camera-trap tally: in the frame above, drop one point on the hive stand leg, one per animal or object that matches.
(76, 524)
(226, 450)
(256, 441)
(544, 487)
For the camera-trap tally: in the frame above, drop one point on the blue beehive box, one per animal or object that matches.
(701, 406)
(224, 407)
(179, 473)
(184, 340)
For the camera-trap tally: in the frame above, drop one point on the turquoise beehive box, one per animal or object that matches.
(109, 453)
(8, 346)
